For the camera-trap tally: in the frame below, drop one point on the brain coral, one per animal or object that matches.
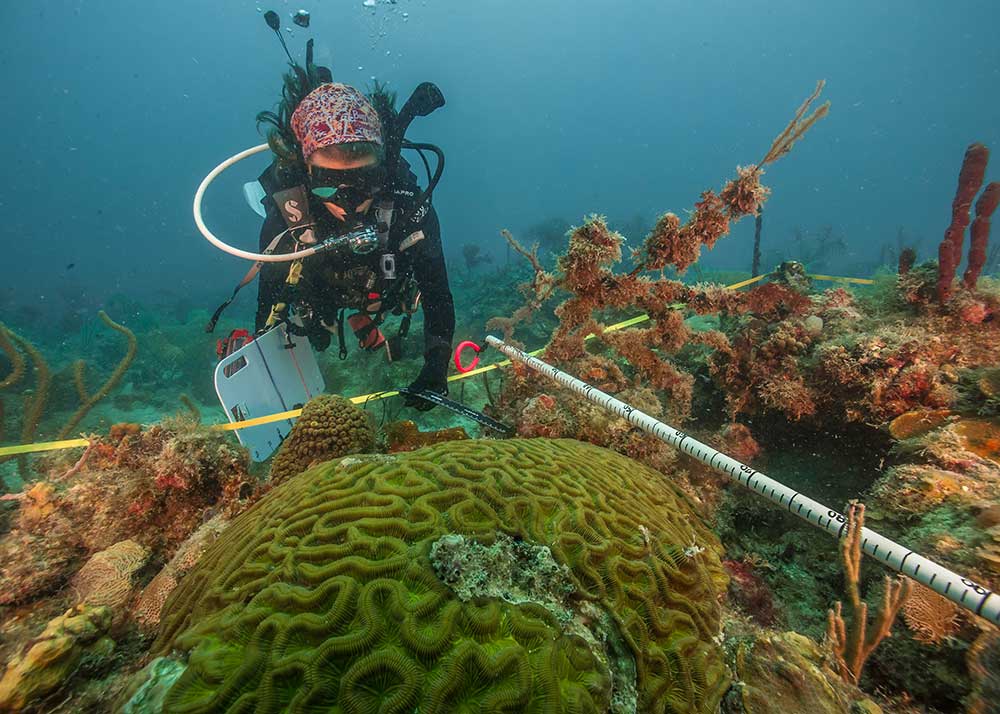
(107, 578)
(330, 426)
(323, 596)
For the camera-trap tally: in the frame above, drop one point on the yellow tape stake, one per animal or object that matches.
(378, 396)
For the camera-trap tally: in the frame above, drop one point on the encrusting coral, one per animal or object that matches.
(330, 426)
(55, 656)
(787, 672)
(324, 591)
(152, 486)
(149, 605)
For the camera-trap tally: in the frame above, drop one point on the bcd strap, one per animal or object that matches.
(247, 279)
(340, 334)
(279, 311)
(366, 329)
(294, 207)
(384, 214)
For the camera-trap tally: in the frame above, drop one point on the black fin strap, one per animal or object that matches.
(340, 334)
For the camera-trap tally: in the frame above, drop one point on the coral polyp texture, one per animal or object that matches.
(325, 594)
(330, 427)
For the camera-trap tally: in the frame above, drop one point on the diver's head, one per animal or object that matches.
(340, 135)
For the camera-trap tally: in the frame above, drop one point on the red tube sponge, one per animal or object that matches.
(980, 234)
(970, 179)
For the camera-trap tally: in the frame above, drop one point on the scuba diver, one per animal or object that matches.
(338, 181)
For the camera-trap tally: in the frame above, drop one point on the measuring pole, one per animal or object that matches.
(962, 591)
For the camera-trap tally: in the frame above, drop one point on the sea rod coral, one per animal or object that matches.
(586, 273)
(11, 343)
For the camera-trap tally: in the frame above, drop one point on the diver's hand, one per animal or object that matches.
(319, 339)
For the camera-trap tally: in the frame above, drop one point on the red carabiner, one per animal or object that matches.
(458, 356)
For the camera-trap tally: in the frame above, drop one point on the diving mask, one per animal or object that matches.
(347, 188)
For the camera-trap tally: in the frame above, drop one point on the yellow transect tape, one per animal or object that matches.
(744, 283)
(835, 279)
(42, 446)
(256, 421)
(378, 396)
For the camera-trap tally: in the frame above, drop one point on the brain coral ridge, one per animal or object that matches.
(322, 597)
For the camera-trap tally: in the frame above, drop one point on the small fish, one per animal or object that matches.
(70, 266)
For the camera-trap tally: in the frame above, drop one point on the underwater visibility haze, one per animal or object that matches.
(409, 356)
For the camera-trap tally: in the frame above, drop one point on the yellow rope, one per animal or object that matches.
(378, 396)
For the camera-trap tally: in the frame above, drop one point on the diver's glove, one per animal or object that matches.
(319, 339)
(433, 377)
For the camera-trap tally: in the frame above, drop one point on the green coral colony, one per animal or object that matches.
(326, 590)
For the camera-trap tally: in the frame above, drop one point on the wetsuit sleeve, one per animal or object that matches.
(438, 306)
(272, 275)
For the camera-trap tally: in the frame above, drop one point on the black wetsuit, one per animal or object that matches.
(332, 281)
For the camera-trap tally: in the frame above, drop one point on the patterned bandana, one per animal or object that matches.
(334, 114)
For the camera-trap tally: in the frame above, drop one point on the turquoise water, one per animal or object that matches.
(553, 113)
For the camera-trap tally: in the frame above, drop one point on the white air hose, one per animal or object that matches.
(962, 591)
(214, 240)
